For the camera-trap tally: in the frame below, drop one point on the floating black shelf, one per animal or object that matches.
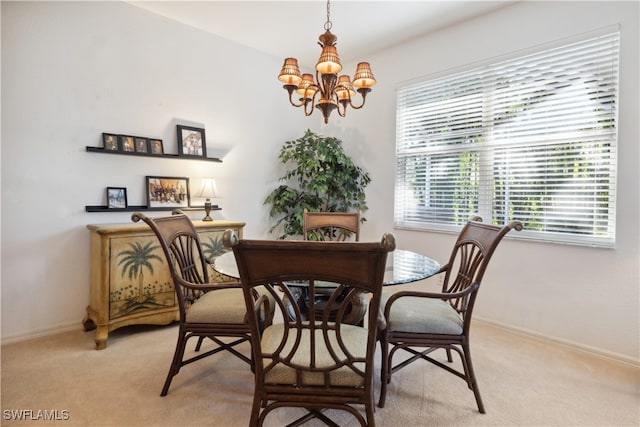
(143, 208)
(163, 156)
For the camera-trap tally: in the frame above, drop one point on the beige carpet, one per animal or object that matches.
(523, 383)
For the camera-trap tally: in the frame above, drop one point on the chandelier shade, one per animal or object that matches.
(327, 91)
(344, 89)
(290, 73)
(329, 61)
(363, 76)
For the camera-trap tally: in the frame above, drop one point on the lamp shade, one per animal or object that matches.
(307, 87)
(208, 188)
(290, 73)
(363, 78)
(329, 61)
(344, 88)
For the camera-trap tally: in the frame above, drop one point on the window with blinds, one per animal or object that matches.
(531, 139)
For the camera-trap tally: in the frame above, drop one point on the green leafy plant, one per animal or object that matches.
(321, 177)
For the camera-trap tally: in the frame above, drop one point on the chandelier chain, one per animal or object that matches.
(328, 24)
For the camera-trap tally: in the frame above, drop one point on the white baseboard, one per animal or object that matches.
(39, 333)
(559, 341)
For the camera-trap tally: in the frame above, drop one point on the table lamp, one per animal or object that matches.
(207, 192)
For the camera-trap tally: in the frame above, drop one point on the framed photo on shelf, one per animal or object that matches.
(141, 145)
(127, 143)
(110, 141)
(155, 146)
(191, 142)
(167, 192)
(116, 197)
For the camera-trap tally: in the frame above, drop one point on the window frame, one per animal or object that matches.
(405, 218)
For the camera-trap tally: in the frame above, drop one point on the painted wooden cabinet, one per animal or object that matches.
(129, 277)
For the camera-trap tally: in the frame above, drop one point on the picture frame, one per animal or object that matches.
(166, 192)
(141, 145)
(127, 143)
(116, 198)
(156, 147)
(110, 142)
(191, 141)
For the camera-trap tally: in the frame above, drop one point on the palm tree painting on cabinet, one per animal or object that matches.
(139, 278)
(212, 246)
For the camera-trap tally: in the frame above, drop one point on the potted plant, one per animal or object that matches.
(321, 177)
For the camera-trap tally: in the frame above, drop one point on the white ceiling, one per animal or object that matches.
(291, 28)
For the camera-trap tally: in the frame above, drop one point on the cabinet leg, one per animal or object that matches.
(101, 331)
(101, 337)
(88, 324)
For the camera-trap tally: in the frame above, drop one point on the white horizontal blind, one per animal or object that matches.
(531, 139)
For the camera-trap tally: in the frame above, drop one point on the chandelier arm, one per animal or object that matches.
(322, 85)
(311, 102)
(344, 104)
(291, 89)
(328, 84)
(362, 91)
(337, 101)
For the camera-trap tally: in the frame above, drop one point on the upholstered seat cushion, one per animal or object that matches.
(222, 306)
(354, 338)
(219, 306)
(423, 315)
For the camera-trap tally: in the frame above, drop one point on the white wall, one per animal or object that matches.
(580, 295)
(73, 70)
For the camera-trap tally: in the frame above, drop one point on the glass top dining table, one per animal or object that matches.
(402, 267)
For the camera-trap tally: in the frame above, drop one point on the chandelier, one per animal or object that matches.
(332, 92)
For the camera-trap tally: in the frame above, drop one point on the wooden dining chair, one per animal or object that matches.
(332, 226)
(313, 363)
(207, 309)
(422, 322)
